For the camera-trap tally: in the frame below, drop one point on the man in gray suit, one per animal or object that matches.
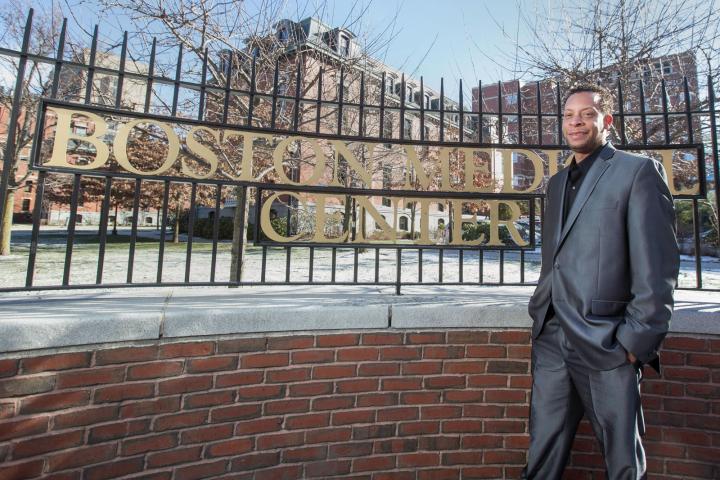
(604, 297)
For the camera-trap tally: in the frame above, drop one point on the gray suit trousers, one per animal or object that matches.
(564, 389)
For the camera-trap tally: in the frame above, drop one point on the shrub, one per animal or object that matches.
(474, 231)
(203, 227)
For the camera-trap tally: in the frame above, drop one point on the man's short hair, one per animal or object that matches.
(606, 103)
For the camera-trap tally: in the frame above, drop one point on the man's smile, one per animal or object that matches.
(577, 134)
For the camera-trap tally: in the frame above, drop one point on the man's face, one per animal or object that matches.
(584, 126)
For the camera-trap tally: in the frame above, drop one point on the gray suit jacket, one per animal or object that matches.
(610, 271)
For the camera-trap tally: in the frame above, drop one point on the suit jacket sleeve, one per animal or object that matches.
(654, 263)
(541, 293)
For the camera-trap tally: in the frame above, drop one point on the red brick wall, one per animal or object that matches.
(378, 405)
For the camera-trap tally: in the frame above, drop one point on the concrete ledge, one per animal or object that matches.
(30, 321)
(21, 333)
(458, 316)
(183, 322)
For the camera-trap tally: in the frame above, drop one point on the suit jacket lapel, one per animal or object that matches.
(559, 202)
(587, 187)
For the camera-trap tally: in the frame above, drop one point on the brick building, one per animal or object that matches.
(22, 183)
(411, 110)
(663, 90)
(72, 87)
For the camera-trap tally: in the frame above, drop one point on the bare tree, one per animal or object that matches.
(570, 40)
(627, 43)
(31, 83)
(623, 42)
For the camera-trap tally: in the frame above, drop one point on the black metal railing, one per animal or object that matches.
(268, 263)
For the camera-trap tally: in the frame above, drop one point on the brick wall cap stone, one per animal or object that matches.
(47, 320)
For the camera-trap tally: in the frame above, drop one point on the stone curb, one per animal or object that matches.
(30, 321)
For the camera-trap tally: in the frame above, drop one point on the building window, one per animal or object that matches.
(344, 46)
(389, 84)
(667, 67)
(283, 34)
(408, 128)
(441, 207)
(106, 92)
(28, 186)
(283, 86)
(441, 222)
(404, 223)
(387, 179)
(26, 205)
(80, 129)
(387, 126)
(408, 94)
(377, 225)
(427, 101)
(386, 202)
(511, 99)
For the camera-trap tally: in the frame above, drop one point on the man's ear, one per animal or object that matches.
(607, 121)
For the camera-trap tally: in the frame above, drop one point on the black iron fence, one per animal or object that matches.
(285, 98)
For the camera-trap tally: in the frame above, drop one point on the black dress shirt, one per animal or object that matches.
(576, 175)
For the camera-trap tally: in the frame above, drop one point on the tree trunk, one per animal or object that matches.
(413, 207)
(238, 241)
(6, 226)
(354, 224)
(363, 224)
(363, 228)
(176, 230)
(348, 214)
(114, 232)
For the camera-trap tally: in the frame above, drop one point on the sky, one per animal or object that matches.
(473, 40)
(453, 39)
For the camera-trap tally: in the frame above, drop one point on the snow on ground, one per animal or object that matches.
(51, 258)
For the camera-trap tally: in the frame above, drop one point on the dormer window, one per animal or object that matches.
(282, 34)
(408, 94)
(427, 101)
(344, 46)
